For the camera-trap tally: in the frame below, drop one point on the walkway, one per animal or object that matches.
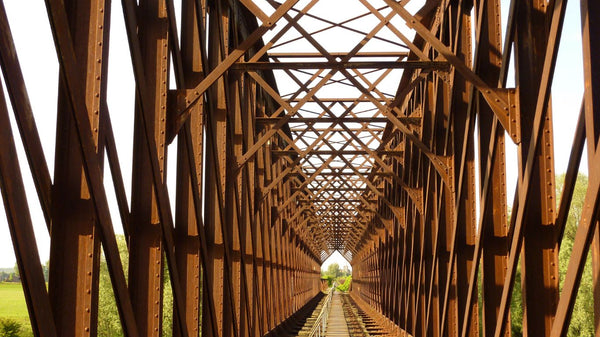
(336, 326)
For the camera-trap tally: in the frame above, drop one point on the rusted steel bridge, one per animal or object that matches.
(379, 129)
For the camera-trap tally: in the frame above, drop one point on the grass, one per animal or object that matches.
(13, 306)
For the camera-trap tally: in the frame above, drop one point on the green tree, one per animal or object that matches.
(334, 270)
(109, 323)
(346, 285)
(516, 306)
(167, 319)
(582, 320)
(9, 327)
(46, 270)
(16, 270)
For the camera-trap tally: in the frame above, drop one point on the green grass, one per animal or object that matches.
(13, 306)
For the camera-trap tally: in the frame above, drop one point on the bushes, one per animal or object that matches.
(344, 287)
(9, 327)
(329, 279)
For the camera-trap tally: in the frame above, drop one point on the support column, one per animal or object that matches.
(75, 244)
(145, 242)
(539, 259)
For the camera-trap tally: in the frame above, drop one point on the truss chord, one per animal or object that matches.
(270, 185)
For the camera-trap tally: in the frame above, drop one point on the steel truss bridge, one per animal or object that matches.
(379, 129)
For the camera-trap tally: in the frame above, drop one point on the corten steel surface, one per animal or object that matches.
(379, 131)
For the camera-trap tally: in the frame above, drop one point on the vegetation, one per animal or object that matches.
(582, 320)
(13, 311)
(14, 319)
(9, 327)
(344, 287)
(109, 323)
(334, 273)
(10, 274)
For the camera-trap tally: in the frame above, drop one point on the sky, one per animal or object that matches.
(336, 257)
(35, 48)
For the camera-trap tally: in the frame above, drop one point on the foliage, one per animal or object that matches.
(9, 327)
(334, 270)
(167, 319)
(109, 323)
(346, 285)
(46, 270)
(14, 308)
(516, 306)
(329, 279)
(582, 320)
(9, 274)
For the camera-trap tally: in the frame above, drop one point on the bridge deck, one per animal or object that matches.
(337, 326)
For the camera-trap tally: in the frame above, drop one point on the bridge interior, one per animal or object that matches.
(268, 135)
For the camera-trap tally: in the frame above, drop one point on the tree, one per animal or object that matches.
(346, 285)
(9, 327)
(582, 320)
(109, 323)
(15, 276)
(334, 270)
(46, 270)
(516, 306)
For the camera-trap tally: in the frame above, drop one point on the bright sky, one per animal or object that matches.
(34, 42)
(336, 257)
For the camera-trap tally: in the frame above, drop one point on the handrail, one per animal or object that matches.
(320, 326)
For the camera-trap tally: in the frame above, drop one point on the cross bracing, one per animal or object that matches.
(381, 129)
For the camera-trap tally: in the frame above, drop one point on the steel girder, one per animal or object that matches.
(290, 146)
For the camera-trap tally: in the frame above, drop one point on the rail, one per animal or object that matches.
(320, 326)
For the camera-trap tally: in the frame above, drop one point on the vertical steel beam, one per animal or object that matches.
(216, 141)
(494, 220)
(591, 55)
(540, 249)
(146, 247)
(233, 191)
(186, 223)
(75, 244)
(463, 152)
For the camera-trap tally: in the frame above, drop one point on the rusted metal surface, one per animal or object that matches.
(75, 243)
(383, 134)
